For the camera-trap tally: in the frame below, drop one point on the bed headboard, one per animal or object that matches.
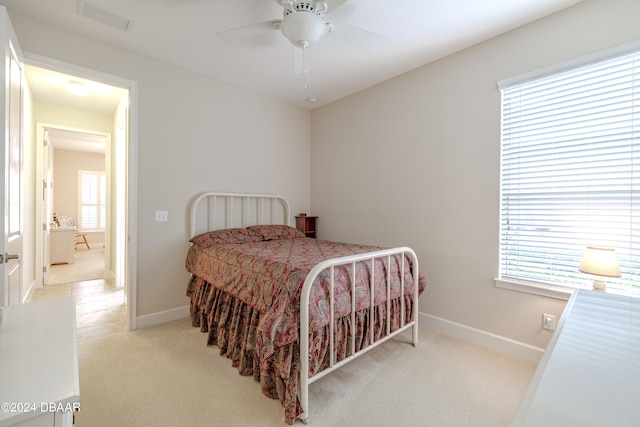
(213, 211)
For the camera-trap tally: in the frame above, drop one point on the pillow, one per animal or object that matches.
(228, 235)
(65, 221)
(274, 231)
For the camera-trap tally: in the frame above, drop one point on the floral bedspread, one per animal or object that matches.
(246, 297)
(268, 276)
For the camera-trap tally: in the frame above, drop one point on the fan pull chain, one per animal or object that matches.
(304, 44)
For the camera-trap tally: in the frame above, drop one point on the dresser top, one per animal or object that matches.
(589, 374)
(38, 355)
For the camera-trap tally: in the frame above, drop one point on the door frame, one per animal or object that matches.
(130, 198)
(41, 242)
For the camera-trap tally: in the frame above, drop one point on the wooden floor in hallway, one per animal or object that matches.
(100, 305)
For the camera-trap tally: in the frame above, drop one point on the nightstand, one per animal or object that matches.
(307, 224)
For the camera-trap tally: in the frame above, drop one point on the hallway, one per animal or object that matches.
(100, 306)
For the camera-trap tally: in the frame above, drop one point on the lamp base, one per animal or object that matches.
(599, 285)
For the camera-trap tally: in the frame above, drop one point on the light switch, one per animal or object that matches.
(162, 216)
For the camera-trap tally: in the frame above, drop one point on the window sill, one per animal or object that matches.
(536, 288)
(553, 290)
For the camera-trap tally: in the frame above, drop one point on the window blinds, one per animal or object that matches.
(92, 200)
(570, 173)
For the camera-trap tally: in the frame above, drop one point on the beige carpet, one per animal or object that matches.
(88, 265)
(167, 376)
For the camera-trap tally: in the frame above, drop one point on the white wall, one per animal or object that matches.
(71, 117)
(194, 134)
(65, 184)
(415, 161)
(65, 178)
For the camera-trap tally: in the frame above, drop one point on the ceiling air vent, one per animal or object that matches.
(106, 17)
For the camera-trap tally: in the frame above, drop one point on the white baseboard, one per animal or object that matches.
(155, 319)
(27, 296)
(486, 339)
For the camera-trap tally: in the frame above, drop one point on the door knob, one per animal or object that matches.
(7, 257)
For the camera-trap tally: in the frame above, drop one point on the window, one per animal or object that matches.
(570, 173)
(91, 200)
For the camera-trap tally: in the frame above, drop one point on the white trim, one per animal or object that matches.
(571, 64)
(160, 317)
(131, 284)
(29, 293)
(486, 339)
(536, 288)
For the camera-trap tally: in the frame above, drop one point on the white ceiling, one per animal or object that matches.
(183, 32)
(65, 139)
(51, 87)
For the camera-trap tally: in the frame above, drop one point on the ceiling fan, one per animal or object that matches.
(304, 23)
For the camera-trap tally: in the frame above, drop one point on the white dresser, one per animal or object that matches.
(589, 374)
(39, 383)
(62, 245)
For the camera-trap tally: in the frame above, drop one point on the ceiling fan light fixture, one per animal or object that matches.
(304, 23)
(302, 26)
(78, 88)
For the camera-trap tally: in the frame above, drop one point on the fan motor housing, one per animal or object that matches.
(292, 6)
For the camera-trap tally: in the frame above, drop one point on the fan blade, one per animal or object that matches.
(356, 36)
(249, 30)
(334, 4)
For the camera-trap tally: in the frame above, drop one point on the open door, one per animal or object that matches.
(11, 71)
(47, 205)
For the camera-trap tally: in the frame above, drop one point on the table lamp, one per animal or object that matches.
(601, 262)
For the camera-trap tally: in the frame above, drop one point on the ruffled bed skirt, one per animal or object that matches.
(233, 326)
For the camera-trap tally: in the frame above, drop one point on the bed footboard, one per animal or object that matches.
(305, 379)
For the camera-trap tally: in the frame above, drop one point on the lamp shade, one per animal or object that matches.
(600, 262)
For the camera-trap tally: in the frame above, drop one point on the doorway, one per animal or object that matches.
(75, 204)
(62, 119)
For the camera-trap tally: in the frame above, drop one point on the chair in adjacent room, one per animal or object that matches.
(81, 239)
(67, 222)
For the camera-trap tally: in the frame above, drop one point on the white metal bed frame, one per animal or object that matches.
(243, 210)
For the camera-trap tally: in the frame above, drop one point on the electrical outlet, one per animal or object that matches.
(549, 322)
(162, 216)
